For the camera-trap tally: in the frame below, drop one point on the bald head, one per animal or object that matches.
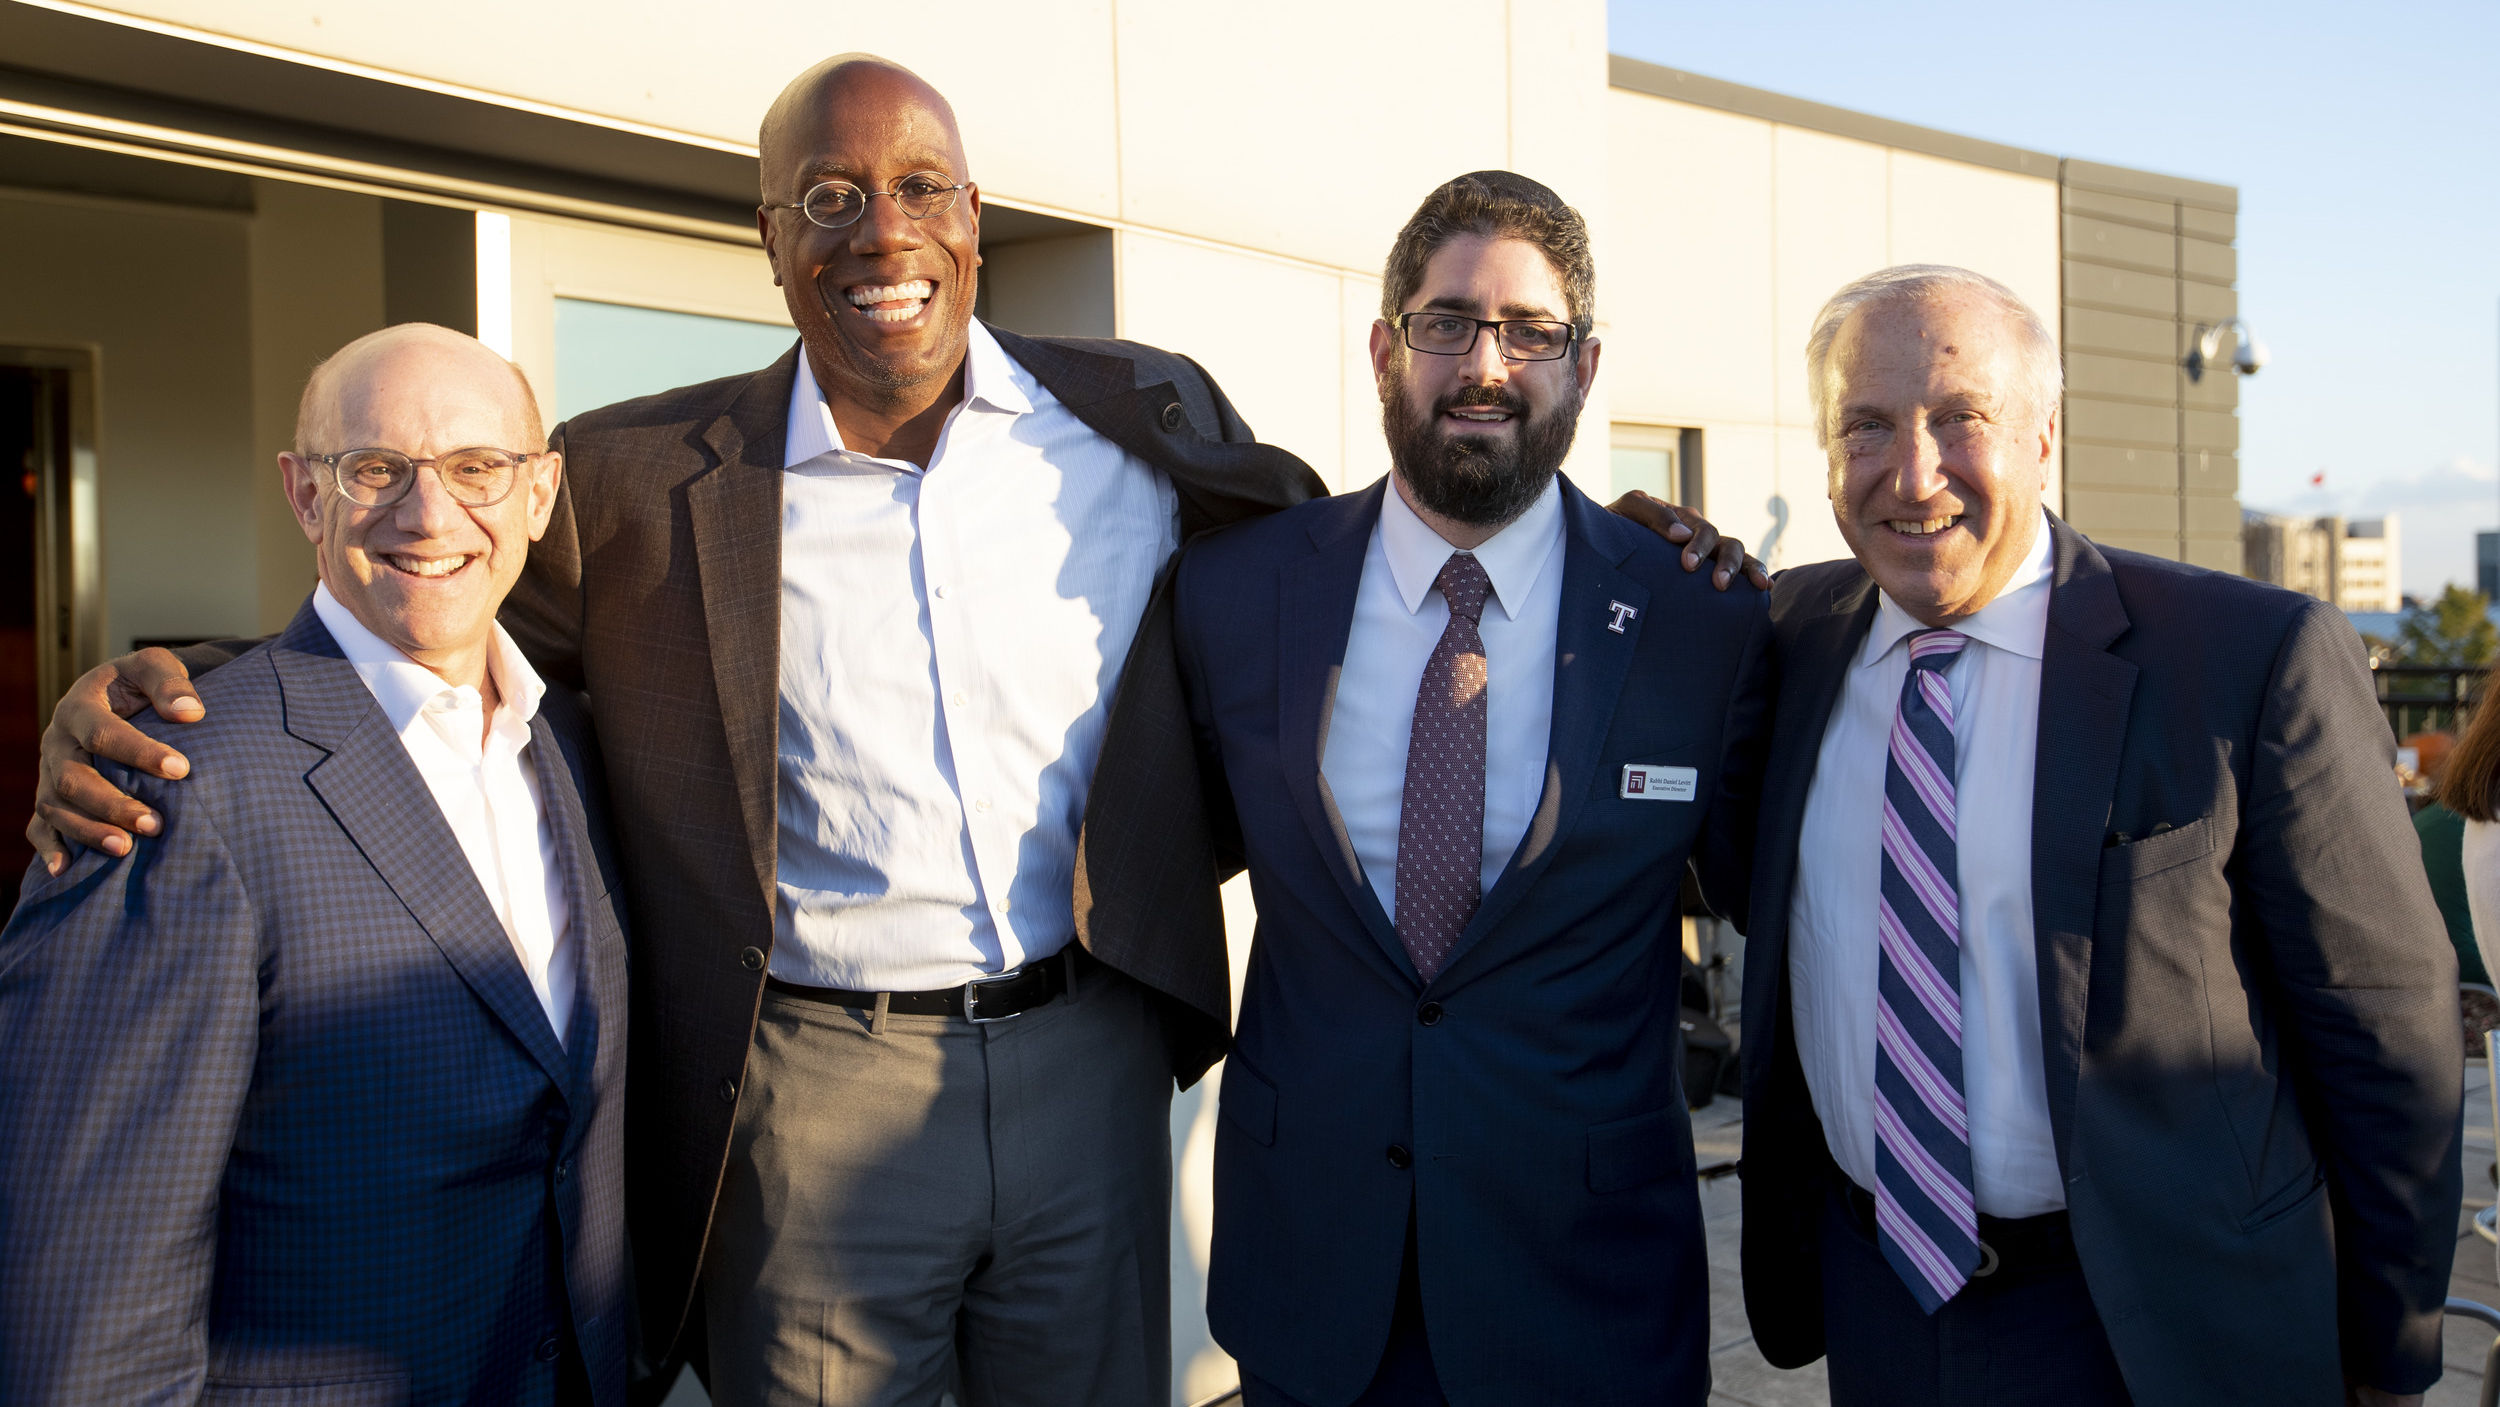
(440, 372)
(845, 88)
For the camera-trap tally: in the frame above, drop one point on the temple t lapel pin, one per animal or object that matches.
(1622, 613)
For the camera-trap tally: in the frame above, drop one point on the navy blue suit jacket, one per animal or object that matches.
(2248, 1004)
(280, 1116)
(1531, 1089)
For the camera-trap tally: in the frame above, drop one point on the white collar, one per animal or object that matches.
(1512, 558)
(2017, 621)
(992, 380)
(404, 687)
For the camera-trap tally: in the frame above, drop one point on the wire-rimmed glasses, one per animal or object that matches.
(837, 205)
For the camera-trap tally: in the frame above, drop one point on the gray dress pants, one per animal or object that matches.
(920, 1198)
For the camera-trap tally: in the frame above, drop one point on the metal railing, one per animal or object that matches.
(2422, 697)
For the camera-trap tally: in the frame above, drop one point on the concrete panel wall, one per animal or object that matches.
(1743, 226)
(2151, 457)
(161, 292)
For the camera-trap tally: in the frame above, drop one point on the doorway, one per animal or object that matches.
(49, 625)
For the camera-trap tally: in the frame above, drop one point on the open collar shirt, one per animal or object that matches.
(1832, 953)
(486, 785)
(951, 637)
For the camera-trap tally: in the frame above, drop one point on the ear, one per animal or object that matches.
(2048, 448)
(546, 472)
(301, 481)
(1586, 371)
(764, 231)
(1385, 346)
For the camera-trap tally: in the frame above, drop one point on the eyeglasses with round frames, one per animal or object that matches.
(1454, 335)
(479, 477)
(838, 205)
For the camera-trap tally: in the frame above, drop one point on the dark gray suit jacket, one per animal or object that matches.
(2248, 1002)
(658, 590)
(281, 1119)
(1530, 1089)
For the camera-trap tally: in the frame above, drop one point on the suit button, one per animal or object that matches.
(1429, 1013)
(752, 959)
(1399, 1158)
(549, 1350)
(564, 1170)
(1174, 417)
(729, 1091)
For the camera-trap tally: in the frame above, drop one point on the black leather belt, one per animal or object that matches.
(2043, 1242)
(981, 1000)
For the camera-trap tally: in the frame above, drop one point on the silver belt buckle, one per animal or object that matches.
(972, 997)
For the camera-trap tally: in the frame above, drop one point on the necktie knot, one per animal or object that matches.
(1936, 649)
(1464, 585)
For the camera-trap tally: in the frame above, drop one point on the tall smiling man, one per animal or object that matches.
(1465, 729)
(2100, 1031)
(316, 1100)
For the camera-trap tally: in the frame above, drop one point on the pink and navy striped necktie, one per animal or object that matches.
(1926, 1216)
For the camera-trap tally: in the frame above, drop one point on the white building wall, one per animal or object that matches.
(1728, 232)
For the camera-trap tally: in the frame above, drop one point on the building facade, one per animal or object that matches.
(201, 198)
(2352, 564)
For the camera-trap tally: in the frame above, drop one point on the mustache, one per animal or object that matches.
(1482, 398)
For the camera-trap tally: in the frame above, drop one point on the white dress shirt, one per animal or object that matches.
(950, 641)
(1398, 620)
(486, 784)
(1832, 954)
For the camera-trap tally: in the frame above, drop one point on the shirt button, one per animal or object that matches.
(1399, 1158)
(982, 805)
(1005, 904)
(1429, 1013)
(941, 593)
(550, 1349)
(729, 1091)
(958, 698)
(752, 959)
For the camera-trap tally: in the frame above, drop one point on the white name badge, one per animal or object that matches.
(1645, 783)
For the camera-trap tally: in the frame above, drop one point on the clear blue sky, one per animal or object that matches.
(2365, 142)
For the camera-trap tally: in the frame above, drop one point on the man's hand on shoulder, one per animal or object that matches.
(74, 804)
(1694, 534)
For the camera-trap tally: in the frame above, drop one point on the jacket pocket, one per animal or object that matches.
(1249, 1102)
(1642, 1149)
(2140, 859)
(2294, 1195)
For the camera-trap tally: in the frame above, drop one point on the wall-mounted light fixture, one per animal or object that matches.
(2245, 359)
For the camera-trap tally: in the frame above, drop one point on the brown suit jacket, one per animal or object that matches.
(657, 590)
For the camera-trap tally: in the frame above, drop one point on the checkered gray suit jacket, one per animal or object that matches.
(280, 1116)
(658, 590)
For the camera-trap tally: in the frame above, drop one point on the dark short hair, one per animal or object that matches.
(1495, 205)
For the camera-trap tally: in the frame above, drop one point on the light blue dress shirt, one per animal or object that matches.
(950, 642)
(1398, 620)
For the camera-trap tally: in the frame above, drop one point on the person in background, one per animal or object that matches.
(2442, 833)
(2469, 785)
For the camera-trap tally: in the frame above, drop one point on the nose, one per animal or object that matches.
(883, 228)
(1917, 467)
(428, 510)
(1482, 363)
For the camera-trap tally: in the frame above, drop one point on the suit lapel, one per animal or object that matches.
(374, 791)
(559, 798)
(1314, 619)
(2085, 693)
(1590, 664)
(735, 509)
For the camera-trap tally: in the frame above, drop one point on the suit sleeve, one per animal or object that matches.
(1723, 861)
(1236, 429)
(1223, 824)
(2368, 985)
(129, 1009)
(544, 612)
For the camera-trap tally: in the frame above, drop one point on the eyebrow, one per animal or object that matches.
(1453, 303)
(819, 171)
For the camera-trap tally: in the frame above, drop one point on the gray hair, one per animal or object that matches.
(2044, 374)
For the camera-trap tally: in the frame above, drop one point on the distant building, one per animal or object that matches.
(2356, 565)
(2487, 565)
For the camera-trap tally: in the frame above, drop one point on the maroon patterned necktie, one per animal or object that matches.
(1441, 821)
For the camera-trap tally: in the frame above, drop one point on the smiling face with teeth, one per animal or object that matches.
(426, 573)
(1939, 459)
(884, 304)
